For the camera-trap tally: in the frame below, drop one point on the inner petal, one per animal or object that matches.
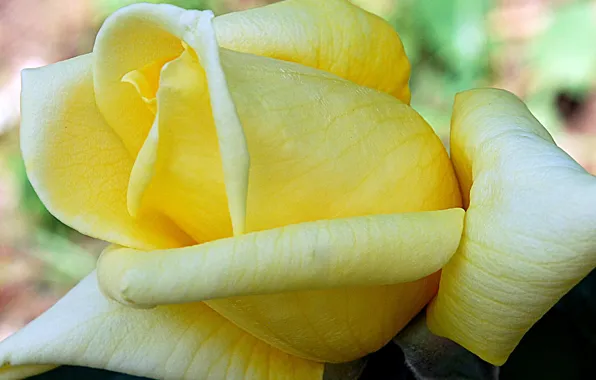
(179, 168)
(146, 81)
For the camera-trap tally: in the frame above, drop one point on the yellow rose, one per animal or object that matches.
(287, 163)
(273, 202)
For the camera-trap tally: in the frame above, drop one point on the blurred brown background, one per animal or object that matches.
(542, 50)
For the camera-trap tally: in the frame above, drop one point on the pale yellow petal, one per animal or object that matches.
(322, 147)
(187, 181)
(332, 35)
(143, 172)
(169, 342)
(364, 251)
(77, 164)
(529, 227)
(335, 325)
(196, 131)
(230, 134)
(132, 39)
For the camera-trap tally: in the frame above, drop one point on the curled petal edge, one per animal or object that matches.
(361, 251)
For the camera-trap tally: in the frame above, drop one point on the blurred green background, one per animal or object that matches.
(542, 50)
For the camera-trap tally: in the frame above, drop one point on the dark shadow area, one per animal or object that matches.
(78, 373)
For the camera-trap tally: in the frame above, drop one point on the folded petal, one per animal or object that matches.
(169, 342)
(199, 141)
(529, 227)
(132, 39)
(333, 35)
(77, 164)
(364, 251)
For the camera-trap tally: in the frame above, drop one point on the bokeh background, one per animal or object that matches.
(542, 50)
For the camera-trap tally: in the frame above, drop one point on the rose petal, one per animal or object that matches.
(332, 35)
(322, 147)
(137, 37)
(529, 229)
(133, 38)
(76, 162)
(364, 251)
(170, 342)
(199, 141)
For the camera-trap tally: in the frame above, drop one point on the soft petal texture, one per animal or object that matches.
(336, 325)
(230, 133)
(306, 129)
(77, 164)
(145, 81)
(364, 251)
(332, 35)
(196, 134)
(529, 233)
(322, 147)
(331, 149)
(169, 342)
(188, 167)
(187, 180)
(131, 39)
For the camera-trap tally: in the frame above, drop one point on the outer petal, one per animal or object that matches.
(77, 165)
(361, 251)
(170, 342)
(334, 325)
(322, 147)
(331, 35)
(529, 230)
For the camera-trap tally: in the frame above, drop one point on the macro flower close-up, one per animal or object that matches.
(274, 204)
